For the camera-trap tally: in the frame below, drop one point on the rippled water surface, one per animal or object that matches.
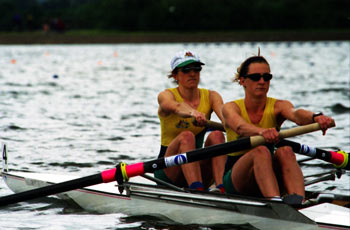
(80, 109)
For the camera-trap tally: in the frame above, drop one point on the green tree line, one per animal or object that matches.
(174, 15)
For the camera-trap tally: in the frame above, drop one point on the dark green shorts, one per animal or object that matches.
(228, 183)
(160, 174)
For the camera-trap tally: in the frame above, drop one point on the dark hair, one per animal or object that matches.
(242, 70)
(172, 73)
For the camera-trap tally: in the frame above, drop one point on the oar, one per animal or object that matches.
(321, 177)
(339, 159)
(215, 126)
(123, 172)
(211, 125)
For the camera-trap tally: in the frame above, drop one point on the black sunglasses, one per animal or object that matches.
(196, 69)
(258, 76)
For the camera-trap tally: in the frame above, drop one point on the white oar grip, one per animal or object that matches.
(259, 140)
(299, 130)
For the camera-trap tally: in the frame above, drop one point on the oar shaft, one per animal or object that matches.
(211, 125)
(51, 189)
(194, 155)
(215, 126)
(338, 159)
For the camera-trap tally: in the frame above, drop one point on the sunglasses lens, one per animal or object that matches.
(188, 69)
(267, 76)
(254, 77)
(257, 76)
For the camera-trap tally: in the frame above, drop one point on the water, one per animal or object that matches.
(80, 109)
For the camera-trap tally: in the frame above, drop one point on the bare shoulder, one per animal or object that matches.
(281, 105)
(231, 107)
(164, 98)
(166, 101)
(165, 94)
(214, 94)
(284, 109)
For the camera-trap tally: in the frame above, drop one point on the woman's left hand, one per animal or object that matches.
(325, 122)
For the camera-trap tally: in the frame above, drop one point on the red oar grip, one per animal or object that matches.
(131, 171)
(135, 169)
(340, 159)
(336, 158)
(108, 175)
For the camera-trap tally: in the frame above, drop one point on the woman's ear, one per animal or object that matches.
(241, 81)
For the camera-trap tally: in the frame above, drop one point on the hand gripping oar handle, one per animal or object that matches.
(215, 126)
(259, 140)
(339, 159)
(211, 125)
(151, 166)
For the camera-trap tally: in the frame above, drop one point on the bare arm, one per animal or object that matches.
(285, 110)
(168, 105)
(233, 120)
(216, 103)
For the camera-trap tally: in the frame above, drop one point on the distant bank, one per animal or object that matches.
(93, 37)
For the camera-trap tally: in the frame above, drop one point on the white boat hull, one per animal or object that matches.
(180, 207)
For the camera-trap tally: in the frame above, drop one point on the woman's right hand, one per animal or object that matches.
(270, 135)
(199, 118)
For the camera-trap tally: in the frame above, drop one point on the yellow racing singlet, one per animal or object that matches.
(267, 121)
(172, 125)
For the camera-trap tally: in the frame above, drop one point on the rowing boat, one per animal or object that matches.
(137, 193)
(142, 196)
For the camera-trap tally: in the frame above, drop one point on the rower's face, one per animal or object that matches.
(260, 87)
(189, 75)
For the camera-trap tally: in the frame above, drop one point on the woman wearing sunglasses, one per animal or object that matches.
(262, 171)
(179, 110)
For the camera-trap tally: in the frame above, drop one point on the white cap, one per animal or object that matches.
(184, 58)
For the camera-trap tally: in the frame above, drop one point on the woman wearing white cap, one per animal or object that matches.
(177, 108)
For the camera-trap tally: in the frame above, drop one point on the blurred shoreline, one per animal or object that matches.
(96, 37)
